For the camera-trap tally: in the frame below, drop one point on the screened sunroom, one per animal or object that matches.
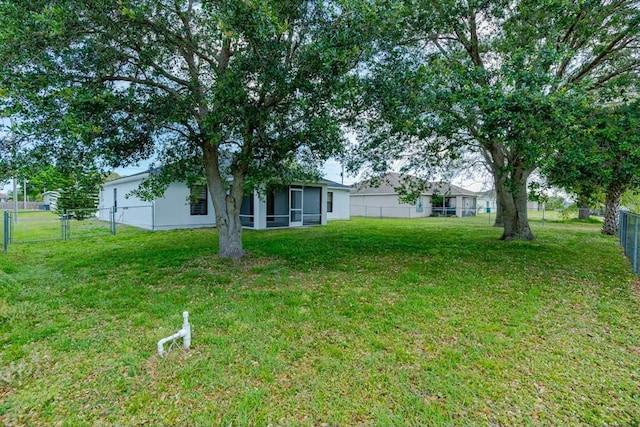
(292, 206)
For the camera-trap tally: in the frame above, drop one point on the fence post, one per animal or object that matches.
(7, 218)
(622, 231)
(64, 224)
(113, 220)
(635, 246)
(620, 221)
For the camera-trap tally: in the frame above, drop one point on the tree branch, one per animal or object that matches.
(598, 59)
(601, 81)
(143, 82)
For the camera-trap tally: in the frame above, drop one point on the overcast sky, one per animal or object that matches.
(331, 171)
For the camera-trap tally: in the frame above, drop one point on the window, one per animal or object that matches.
(419, 205)
(246, 211)
(198, 197)
(278, 208)
(270, 206)
(312, 206)
(450, 205)
(329, 201)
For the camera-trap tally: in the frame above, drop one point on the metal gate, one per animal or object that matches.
(43, 226)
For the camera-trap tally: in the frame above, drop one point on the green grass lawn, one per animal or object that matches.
(363, 322)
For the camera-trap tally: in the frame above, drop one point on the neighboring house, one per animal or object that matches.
(4, 198)
(534, 205)
(486, 201)
(292, 206)
(50, 200)
(380, 199)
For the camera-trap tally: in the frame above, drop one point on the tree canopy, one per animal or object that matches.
(500, 78)
(240, 91)
(603, 155)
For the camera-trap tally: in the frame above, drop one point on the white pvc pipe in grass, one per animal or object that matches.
(184, 333)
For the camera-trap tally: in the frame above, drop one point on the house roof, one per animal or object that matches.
(3, 196)
(391, 181)
(142, 175)
(333, 184)
(132, 177)
(488, 193)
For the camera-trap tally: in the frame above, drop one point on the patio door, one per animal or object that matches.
(295, 207)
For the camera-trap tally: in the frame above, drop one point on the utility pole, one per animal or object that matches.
(24, 200)
(15, 199)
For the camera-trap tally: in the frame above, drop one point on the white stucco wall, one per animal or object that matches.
(389, 206)
(386, 206)
(130, 209)
(341, 201)
(172, 210)
(483, 202)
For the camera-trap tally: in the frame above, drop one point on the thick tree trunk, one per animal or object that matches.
(499, 205)
(499, 218)
(516, 223)
(230, 229)
(583, 208)
(612, 210)
(510, 177)
(226, 204)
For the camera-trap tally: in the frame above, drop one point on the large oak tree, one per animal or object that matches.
(503, 79)
(241, 91)
(601, 156)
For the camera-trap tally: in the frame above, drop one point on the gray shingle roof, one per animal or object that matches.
(333, 183)
(388, 184)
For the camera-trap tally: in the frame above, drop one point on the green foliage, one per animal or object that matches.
(235, 90)
(78, 187)
(568, 212)
(112, 176)
(505, 80)
(603, 154)
(538, 192)
(631, 199)
(556, 202)
(437, 199)
(78, 201)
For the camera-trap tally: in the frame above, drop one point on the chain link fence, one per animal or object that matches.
(43, 226)
(411, 211)
(628, 233)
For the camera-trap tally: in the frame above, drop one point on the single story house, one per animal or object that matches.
(487, 200)
(296, 205)
(380, 198)
(4, 198)
(50, 200)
